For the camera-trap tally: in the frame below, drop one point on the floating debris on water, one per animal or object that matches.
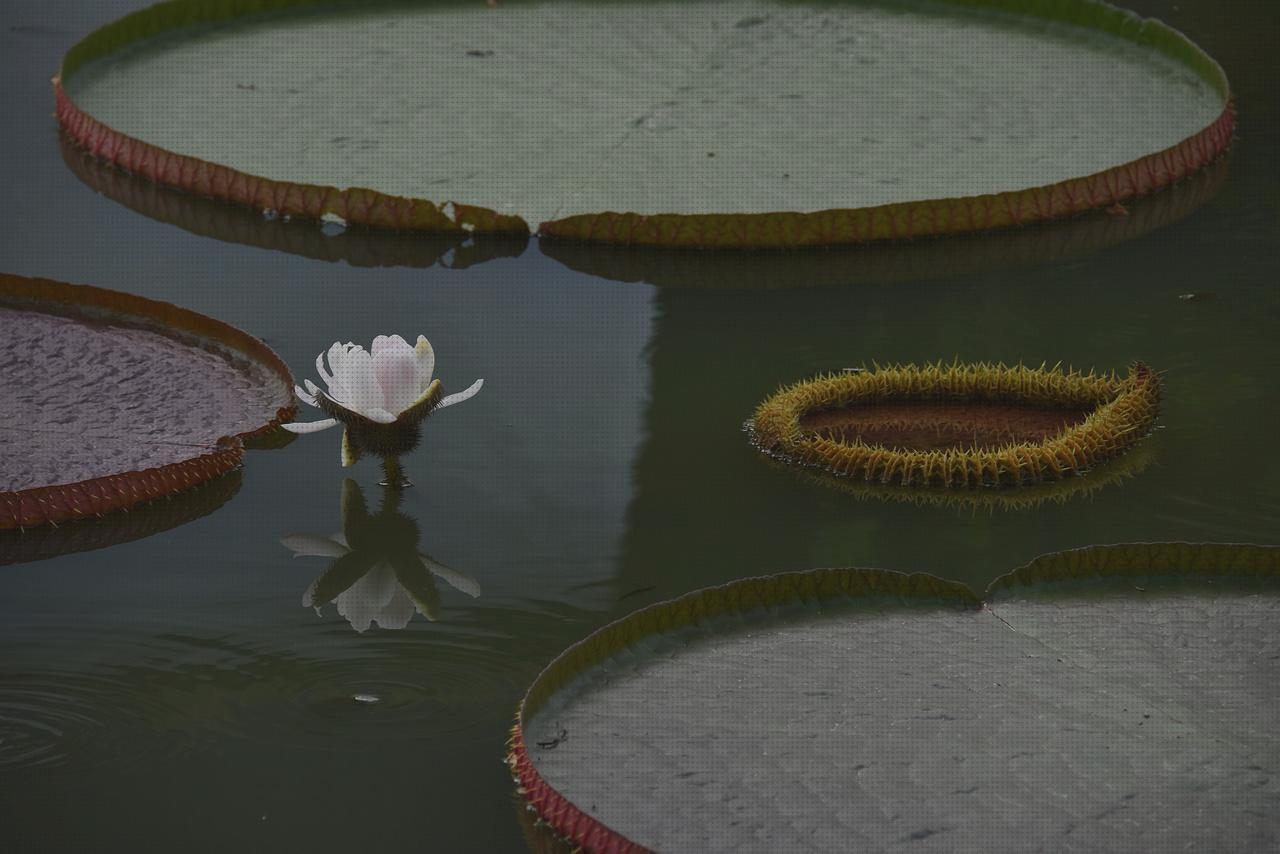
(368, 699)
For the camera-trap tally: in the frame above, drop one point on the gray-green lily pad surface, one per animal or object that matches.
(1118, 698)
(548, 110)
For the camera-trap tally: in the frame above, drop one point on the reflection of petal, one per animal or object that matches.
(363, 602)
(354, 512)
(395, 366)
(340, 576)
(462, 583)
(309, 426)
(417, 581)
(450, 400)
(397, 613)
(313, 545)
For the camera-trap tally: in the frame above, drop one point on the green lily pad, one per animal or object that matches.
(114, 400)
(1117, 697)
(725, 123)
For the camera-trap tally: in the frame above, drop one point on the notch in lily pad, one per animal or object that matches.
(774, 103)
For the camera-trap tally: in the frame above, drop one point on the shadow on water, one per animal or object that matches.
(122, 526)
(680, 268)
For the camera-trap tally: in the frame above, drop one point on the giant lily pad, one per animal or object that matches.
(112, 399)
(1118, 698)
(723, 123)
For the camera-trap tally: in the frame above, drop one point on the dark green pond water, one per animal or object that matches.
(172, 693)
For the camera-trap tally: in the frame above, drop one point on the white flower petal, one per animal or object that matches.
(320, 371)
(305, 397)
(395, 366)
(355, 373)
(309, 426)
(426, 361)
(382, 416)
(450, 400)
(313, 545)
(337, 382)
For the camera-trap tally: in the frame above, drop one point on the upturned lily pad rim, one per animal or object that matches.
(1121, 412)
(703, 269)
(41, 505)
(1069, 574)
(785, 229)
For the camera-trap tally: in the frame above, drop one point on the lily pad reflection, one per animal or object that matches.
(378, 574)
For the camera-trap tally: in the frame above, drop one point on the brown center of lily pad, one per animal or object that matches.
(940, 425)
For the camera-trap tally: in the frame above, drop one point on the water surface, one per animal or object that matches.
(171, 692)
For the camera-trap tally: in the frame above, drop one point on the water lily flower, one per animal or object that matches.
(378, 574)
(381, 396)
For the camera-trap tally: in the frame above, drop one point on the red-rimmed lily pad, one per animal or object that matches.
(678, 268)
(711, 124)
(112, 529)
(112, 399)
(1116, 697)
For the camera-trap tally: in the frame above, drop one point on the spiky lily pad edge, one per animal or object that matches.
(42, 505)
(773, 594)
(144, 520)
(1121, 413)
(780, 230)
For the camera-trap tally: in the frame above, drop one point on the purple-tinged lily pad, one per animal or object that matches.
(111, 399)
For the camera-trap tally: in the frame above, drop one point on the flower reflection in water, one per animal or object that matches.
(378, 574)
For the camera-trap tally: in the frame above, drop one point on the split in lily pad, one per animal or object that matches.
(761, 269)
(112, 400)
(959, 425)
(357, 246)
(642, 123)
(1116, 697)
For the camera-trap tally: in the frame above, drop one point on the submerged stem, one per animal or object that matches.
(393, 474)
